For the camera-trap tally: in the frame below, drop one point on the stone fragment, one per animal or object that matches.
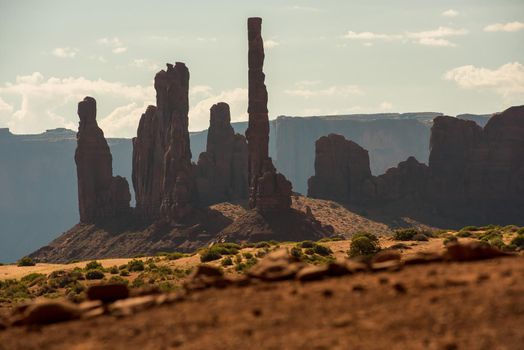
(108, 293)
(50, 312)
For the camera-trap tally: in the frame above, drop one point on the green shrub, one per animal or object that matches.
(362, 245)
(469, 228)
(94, 275)
(518, 241)
(176, 256)
(33, 279)
(450, 239)
(309, 251)
(296, 253)
(118, 279)
(248, 255)
(26, 261)
(93, 265)
(209, 255)
(490, 235)
(248, 245)
(136, 265)
(520, 231)
(322, 250)
(114, 270)
(124, 272)
(306, 244)
(463, 234)
(262, 245)
(368, 235)
(406, 234)
(419, 237)
(497, 243)
(227, 261)
(238, 259)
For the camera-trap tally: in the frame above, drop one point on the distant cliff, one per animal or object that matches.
(38, 189)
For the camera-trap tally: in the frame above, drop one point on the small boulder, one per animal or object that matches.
(277, 265)
(206, 276)
(386, 255)
(472, 251)
(108, 293)
(50, 312)
(422, 258)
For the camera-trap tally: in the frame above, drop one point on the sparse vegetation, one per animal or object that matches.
(94, 275)
(93, 265)
(135, 265)
(363, 244)
(26, 261)
(227, 261)
(450, 239)
(405, 234)
(518, 241)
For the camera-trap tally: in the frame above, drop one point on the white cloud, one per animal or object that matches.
(199, 112)
(202, 90)
(504, 27)
(5, 107)
(386, 106)
(269, 44)
(336, 90)
(506, 81)
(450, 13)
(145, 64)
(112, 42)
(306, 8)
(98, 58)
(212, 40)
(434, 37)
(65, 52)
(371, 36)
(118, 50)
(49, 103)
(123, 120)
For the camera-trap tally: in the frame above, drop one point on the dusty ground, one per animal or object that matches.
(475, 305)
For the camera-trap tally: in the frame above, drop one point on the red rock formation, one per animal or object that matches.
(100, 195)
(341, 170)
(221, 172)
(475, 175)
(162, 170)
(268, 190)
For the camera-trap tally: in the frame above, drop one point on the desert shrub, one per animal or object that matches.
(175, 256)
(238, 259)
(490, 235)
(12, 290)
(306, 244)
(322, 250)
(450, 239)
(362, 245)
(296, 253)
(138, 282)
(93, 265)
(118, 279)
(244, 266)
(114, 270)
(520, 231)
(248, 255)
(62, 279)
(124, 272)
(94, 275)
(497, 243)
(33, 279)
(511, 228)
(490, 227)
(210, 255)
(469, 228)
(273, 242)
(309, 251)
(419, 237)
(26, 261)
(248, 245)
(518, 241)
(368, 235)
(399, 246)
(135, 265)
(261, 253)
(227, 261)
(262, 245)
(406, 234)
(464, 234)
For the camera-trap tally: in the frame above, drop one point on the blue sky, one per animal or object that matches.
(322, 57)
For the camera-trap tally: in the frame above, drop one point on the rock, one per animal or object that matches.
(50, 312)
(108, 293)
(472, 251)
(275, 266)
(313, 272)
(355, 266)
(268, 190)
(386, 255)
(100, 195)
(206, 276)
(422, 258)
(162, 170)
(221, 172)
(126, 307)
(388, 265)
(341, 170)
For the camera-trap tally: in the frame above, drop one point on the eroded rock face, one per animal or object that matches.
(341, 170)
(100, 195)
(221, 171)
(268, 190)
(475, 175)
(162, 170)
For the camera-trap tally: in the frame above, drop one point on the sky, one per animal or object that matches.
(322, 57)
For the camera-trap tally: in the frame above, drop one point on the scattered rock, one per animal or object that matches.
(126, 307)
(472, 251)
(108, 293)
(49, 312)
(386, 255)
(277, 265)
(422, 258)
(207, 276)
(389, 265)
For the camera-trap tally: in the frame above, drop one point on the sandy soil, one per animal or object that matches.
(476, 305)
